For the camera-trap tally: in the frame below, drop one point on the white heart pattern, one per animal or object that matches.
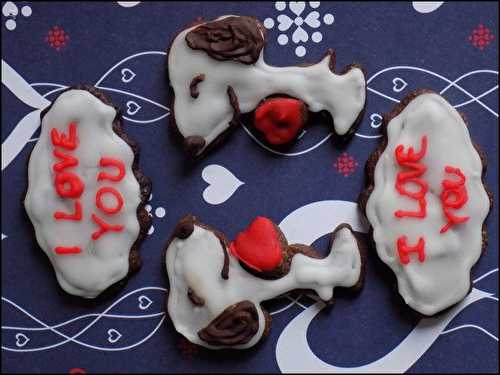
(132, 107)
(312, 20)
(222, 184)
(144, 302)
(376, 120)
(297, 7)
(113, 335)
(399, 84)
(127, 75)
(300, 35)
(21, 340)
(284, 22)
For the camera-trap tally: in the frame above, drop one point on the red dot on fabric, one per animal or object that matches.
(77, 370)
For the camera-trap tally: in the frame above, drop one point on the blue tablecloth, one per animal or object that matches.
(119, 47)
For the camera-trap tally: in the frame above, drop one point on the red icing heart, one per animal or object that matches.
(280, 119)
(258, 246)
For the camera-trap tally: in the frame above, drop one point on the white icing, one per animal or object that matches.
(343, 96)
(443, 279)
(197, 261)
(104, 261)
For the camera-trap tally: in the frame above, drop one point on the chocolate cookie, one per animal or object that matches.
(215, 302)
(426, 201)
(216, 71)
(86, 193)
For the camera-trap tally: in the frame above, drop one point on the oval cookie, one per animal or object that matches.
(426, 202)
(85, 193)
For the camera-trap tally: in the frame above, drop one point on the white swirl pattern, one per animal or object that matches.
(24, 335)
(23, 131)
(293, 353)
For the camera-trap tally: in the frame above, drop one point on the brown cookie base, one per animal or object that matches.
(370, 173)
(193, 144)
(145, 190)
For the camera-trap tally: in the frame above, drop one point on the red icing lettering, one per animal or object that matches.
(411, 161)
(69, 185)
(75, 188)
(110, 162)
(76, 215)
(67, 250)
(404, 249)
(67, 161)
(104, 227)
(453, 196)
(258, 246)
(100, 204)
(61, 139)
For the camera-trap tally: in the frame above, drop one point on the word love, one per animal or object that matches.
(69, 185)
(453, 196)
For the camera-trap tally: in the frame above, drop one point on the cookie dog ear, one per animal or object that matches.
(236, 325)
(231, 38)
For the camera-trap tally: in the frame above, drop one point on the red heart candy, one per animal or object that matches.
(258, 245)
(280, 119)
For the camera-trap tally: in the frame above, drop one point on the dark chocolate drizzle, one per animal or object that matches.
(233, 101)
(232, 38)
(224, 273)
(193, 86)
(236, 325)
(194, 298)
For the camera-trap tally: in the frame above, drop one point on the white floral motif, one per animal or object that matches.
(299, 23)
(159, 213)
(11, 11)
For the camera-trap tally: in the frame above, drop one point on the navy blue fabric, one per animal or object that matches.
(357, 330)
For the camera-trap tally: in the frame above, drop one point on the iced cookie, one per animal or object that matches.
(426, 201)
(214, 300)
(217, 71)
(86, 194)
